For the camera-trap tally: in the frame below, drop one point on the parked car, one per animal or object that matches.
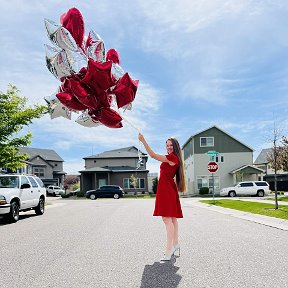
(54, 190)
(21, 193)
(106, 191)
(259, 188)
(74, 192)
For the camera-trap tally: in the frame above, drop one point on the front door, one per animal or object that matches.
(26, 194)
(102, 182)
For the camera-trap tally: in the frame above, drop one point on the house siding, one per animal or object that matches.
(234, 153)
(222, 143)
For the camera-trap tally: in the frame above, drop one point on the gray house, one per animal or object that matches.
(45, 163)
(234, 159)
(115, 167)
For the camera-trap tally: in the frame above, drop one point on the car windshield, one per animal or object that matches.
(9, 182)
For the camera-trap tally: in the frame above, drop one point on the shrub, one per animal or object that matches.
(203, 190)
(80, 194)
(154, 185)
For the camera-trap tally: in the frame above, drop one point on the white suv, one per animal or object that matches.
(54, 190)
(259, 188)
(21, 193)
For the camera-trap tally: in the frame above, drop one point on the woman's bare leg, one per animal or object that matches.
(169, 233)
(175, 235)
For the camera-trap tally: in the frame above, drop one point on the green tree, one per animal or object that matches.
(155, 185)
(14, 115)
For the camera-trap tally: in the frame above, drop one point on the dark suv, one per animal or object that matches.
(106, 191)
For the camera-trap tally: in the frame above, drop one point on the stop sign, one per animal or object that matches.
(212, 167)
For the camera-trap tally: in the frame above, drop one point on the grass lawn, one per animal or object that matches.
(252, 207)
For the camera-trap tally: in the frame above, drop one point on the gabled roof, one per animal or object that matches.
(112, 169)
(46, 161)
(46, 154)
(127, 152)
(214, 126)
(248, 167)
(263, 156)
(95, 169)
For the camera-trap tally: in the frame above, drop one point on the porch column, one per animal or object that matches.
(234, 178)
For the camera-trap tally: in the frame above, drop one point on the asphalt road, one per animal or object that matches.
(117, 243)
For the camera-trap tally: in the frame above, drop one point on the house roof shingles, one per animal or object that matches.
(263, 156)
(46, 154)
(127, 152)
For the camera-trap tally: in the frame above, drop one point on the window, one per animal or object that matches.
(222, 158)
(261, 183)
(207, 181)
(206, 141)
(24, 180)
(127, 183)
(39, 172)
(248, 184)
(9, 182)
(216, 182)
(33, 182)
(39, 181)
(202, 181)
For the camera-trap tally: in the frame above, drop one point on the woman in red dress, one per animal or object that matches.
(167, 202)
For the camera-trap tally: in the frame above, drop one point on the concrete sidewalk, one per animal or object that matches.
(260, 219)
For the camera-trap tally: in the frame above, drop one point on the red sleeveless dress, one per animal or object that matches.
(167, 202)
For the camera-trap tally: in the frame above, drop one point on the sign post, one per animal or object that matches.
(212, 167)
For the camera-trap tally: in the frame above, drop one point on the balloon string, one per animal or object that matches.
(131, 124)
(140, 160)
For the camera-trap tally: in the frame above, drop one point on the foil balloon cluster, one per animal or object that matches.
(92, 81)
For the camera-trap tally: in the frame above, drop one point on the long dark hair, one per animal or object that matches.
(180, 174)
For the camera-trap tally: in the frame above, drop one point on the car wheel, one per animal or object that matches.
(39, 210)
(92, 196)
(116, 196)
(260, 193)
(232, 194)
(13, 215)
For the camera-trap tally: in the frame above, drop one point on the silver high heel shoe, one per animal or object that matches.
(166, 258)
(175, 249)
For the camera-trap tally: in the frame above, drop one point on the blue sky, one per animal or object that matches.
(200, 63)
